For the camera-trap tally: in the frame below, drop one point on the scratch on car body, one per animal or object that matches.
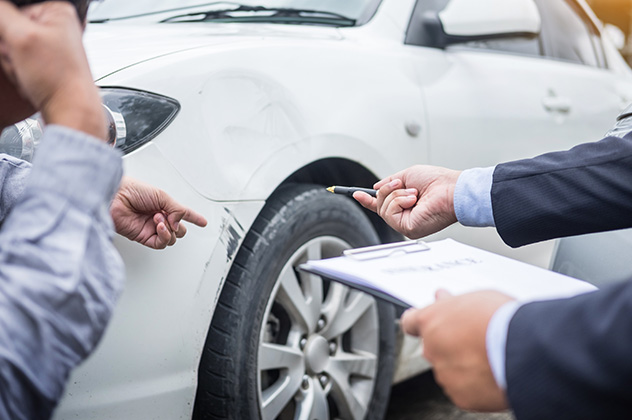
(231, 233)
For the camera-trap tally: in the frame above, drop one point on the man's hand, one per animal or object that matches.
(416, 202)
(42, 53)
(148, 215)
(454, 331)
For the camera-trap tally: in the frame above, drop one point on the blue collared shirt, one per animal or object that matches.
(60, 275)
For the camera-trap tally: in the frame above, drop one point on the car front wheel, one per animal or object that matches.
(284, 344)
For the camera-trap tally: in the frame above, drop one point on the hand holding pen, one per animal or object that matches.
(416, 202)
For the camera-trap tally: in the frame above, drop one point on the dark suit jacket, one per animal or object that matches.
(571, 358)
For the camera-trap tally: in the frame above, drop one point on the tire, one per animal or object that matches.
(285, 344)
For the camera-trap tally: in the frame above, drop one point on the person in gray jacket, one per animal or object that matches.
(60, 275)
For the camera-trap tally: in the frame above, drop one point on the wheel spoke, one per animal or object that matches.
(349, 405)
(315, 251)
(335, 300)
(314, 405)
(275, 356)
(349, 315)
(291, 296)
(276, 397)
(341, 368)
(346, 364)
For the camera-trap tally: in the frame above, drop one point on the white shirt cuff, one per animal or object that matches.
(473, 197)
(496, 340)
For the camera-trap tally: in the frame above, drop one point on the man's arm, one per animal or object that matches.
(570, 358)
(583, 190)
(141, 212)
(59, 273)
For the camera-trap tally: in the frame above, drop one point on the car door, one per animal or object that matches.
(508, 98)
(588, 88)
(483, 98)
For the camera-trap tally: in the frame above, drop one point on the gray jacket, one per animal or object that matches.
(59, 272)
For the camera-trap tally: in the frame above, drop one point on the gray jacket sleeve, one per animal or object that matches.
(13, 175)
(59, 272)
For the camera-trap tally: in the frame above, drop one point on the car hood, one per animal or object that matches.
(113, 47)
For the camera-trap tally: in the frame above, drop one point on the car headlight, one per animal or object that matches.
(134, 117)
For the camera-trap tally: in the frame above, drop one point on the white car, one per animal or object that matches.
(245, 112)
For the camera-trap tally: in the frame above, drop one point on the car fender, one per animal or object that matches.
(244, 127)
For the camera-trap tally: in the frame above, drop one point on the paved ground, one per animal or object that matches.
(420, 398)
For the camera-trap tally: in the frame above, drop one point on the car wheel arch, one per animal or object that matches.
(340, 171)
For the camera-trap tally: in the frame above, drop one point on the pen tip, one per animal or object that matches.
(330, 189)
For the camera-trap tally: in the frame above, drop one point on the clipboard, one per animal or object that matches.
(376, 252)
(386, 250)
(409, 273)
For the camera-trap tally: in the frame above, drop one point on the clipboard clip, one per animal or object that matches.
(386, 250)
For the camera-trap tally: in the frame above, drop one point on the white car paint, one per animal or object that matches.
(261, 101)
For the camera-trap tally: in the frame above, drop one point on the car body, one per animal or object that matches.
(598, 258)
(262, 107)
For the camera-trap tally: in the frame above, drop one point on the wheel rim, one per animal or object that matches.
(319, 344)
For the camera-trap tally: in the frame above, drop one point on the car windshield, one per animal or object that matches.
(304, 11)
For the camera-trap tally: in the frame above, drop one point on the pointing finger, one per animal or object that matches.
(183, 213)
(194, 217)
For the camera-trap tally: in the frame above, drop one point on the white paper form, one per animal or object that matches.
(414, 277)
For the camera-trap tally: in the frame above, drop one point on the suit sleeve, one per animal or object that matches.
(583, 190)
(571, 358)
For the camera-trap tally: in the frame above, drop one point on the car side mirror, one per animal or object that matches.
(475, 20)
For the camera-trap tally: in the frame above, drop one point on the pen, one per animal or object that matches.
(350, 190)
